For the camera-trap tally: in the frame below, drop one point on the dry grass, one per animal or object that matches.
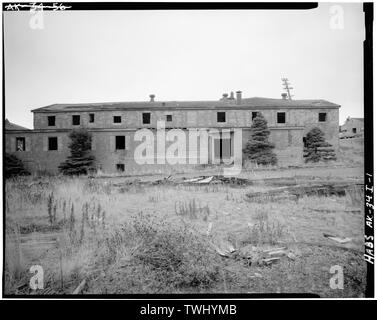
(103, 236)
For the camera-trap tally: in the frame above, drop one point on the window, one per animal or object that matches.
(51, 121)
(281, 117)
(20, 144)
(91, 117)
(353, 130)
(221, 117)
(146, 118)
(304, 141)
(254, 114)
(322, 117)
(120, 167)
(169, 118)
(76, 120)
(117, 119)
(52, 143)
(120, 142)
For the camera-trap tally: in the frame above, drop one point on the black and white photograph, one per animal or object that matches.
(187, 149)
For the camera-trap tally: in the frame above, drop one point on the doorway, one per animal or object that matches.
(223, 148)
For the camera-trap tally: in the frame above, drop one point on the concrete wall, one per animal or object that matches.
(37, 157)
(287, 137)
(235, 118)
(353, 123)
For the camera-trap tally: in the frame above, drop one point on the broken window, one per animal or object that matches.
(146, 118)
(322, 117)
(120, 167)
(52, 143)
(51, 121)
(254, 114)
(169, 118)
(281, 117)
(117, 119)
(120, 142)
(20, 144)
(221, 117)
(76, 120)
(91, 117)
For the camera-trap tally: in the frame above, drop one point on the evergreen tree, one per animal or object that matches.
(80, 161)
(316, 148)
(14, 166)
(258, 149)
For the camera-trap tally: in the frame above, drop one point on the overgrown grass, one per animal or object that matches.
(103, 236)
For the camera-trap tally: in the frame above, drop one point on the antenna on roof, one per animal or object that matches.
(286, 86)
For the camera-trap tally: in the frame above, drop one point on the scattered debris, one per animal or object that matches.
(217, 179)
(224, 248)
(297, 191)
(80, 287)
(257, 256)
(206, 180)
(337, 239)
(291, 256)
(193, 180)
(268, 261)
(277, 253)
(271, 251)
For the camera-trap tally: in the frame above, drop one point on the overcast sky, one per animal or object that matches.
(105, 56)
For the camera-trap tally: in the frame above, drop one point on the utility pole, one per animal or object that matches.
(286, 86)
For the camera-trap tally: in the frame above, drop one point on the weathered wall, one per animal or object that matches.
(288, 137)
(197, 118)
(353, 123)
(36, 157)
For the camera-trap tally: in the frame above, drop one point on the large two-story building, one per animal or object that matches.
(113, 127)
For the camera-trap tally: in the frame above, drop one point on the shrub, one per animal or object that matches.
(14, 166)
(258, 149)
(177, 256)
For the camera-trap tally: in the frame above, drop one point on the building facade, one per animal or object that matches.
(352, 126)
(116, 127)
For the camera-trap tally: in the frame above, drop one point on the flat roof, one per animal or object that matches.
(246, 103)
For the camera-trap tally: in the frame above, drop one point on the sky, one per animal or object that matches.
(112, 56)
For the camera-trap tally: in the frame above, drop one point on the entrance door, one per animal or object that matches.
(222, 149)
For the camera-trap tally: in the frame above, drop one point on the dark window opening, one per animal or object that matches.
(169, 118)
(76, 120)
(221, 117)
(322, 117)
(304, 141)
(52, 143)
(254, 114)
(120, 167)
(120, 142)
(51, 121)
(281, 117)
(146, 118)
(20, 144)
(353, 130)
(117, 119)
(91, 117)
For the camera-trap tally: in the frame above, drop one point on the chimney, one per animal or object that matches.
(152, 96)
(225, 96)
(239, 97)
(284, 96)
(231, 95)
